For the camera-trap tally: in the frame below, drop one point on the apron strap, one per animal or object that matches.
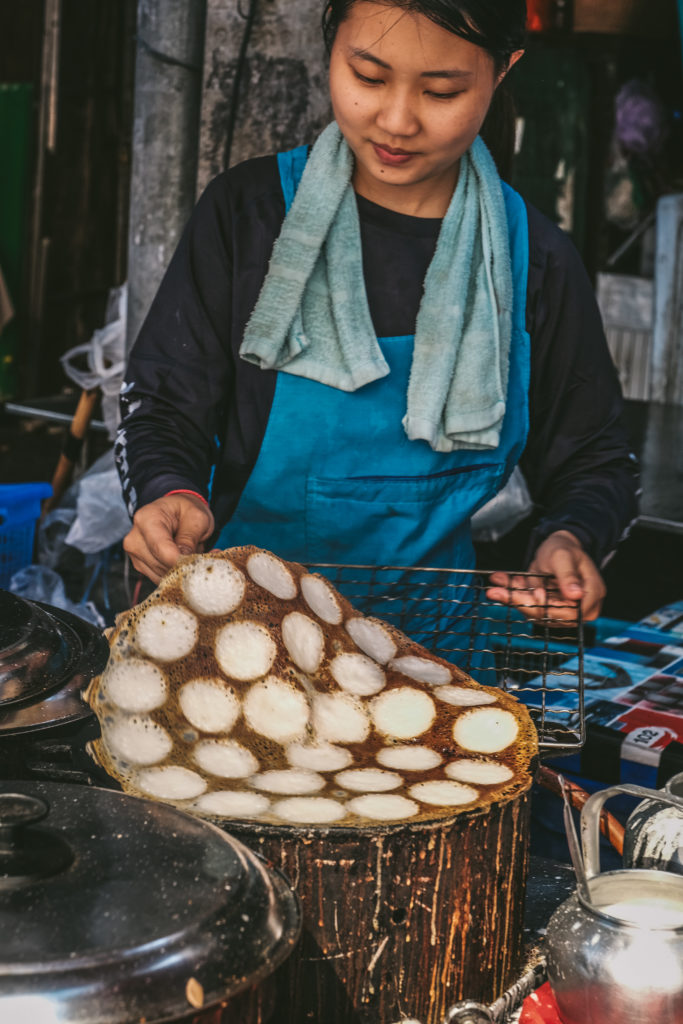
(291, 166)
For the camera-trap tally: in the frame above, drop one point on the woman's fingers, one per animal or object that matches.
(148, 556)
(575, 577)
(528, 593)
(562, 562)
(594, 596)
(154, 572)
(172, 526)
(538, 604)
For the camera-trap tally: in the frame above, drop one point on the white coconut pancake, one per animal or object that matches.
(245, 650)
(403, 712)
(138, 739)
(319, 757)
(210, 705)
(213, 587)
(135, 685)
(304, 641)
(464, 696)
(485, 730)
(272, 574)
(247, 687)
(321, 599)
(340, 718)
(423, 669)
(225, 758)
(228, 803)
(373, 638)
(443, 793)
(294, 781)
(171, 783)
(409, 758)
(165, 632)
(357, 674)
(277, 710)
(383, 807)
(368, 780)
(310, 810)
(483, 772)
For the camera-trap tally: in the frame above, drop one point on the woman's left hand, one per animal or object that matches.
(576, 575)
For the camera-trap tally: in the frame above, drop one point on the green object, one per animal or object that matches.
(551, 88)
(16, 131)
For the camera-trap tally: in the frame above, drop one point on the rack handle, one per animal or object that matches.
(611, 829)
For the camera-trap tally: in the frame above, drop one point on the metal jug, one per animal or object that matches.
(654, 833)
(615, 953)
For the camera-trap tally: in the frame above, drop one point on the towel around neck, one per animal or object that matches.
(312, 317)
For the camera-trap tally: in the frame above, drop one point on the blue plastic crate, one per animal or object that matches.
(19, 513)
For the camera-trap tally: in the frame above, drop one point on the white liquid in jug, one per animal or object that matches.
(647, 913)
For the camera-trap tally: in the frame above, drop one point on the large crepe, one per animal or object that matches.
(246, 687)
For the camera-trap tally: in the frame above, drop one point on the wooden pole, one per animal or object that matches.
(611, 829)
(400, 922)
(63, 473)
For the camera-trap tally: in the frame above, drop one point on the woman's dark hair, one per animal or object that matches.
(497, 26)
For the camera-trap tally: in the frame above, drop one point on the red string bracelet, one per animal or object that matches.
(185, 491)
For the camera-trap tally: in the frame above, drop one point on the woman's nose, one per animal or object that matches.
(397, 114)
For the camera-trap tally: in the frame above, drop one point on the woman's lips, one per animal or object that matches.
(392, 157)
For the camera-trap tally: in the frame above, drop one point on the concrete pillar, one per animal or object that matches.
(168, 78)
(667, 340)
(283, 99)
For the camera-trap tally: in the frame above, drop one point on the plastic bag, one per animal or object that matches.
(510, 506)
(105, 358)
(52, 533)
(101, 515)
(38, 583)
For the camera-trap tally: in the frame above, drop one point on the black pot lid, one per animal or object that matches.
(37, 652)
(47, 656)
(122, 909)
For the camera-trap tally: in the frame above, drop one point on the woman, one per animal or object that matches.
(356, 391)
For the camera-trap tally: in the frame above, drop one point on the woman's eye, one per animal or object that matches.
(445, 95)
(365, 79)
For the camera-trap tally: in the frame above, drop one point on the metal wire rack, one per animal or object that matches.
(450, 612)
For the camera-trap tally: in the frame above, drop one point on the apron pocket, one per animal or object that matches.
(396, 520)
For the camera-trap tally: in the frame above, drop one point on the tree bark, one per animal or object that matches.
(400, 921)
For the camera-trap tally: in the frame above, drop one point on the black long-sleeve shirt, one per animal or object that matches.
(190, 403)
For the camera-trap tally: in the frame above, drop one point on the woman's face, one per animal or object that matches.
(409, 97)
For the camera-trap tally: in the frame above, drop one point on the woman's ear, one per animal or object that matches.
(514, 57)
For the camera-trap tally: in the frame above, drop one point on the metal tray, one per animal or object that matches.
(449, 613)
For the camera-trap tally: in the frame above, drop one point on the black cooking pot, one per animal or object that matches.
(47, 656)
(116, 910)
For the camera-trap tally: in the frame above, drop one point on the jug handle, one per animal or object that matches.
(590, 818)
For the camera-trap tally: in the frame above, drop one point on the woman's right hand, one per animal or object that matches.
(167, 528)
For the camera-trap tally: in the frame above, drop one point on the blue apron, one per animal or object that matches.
(338, 481)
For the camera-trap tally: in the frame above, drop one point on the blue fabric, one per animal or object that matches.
(291, 166)
(338, 481)
(312, 317)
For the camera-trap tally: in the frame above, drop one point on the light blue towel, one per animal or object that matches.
(312, 317)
